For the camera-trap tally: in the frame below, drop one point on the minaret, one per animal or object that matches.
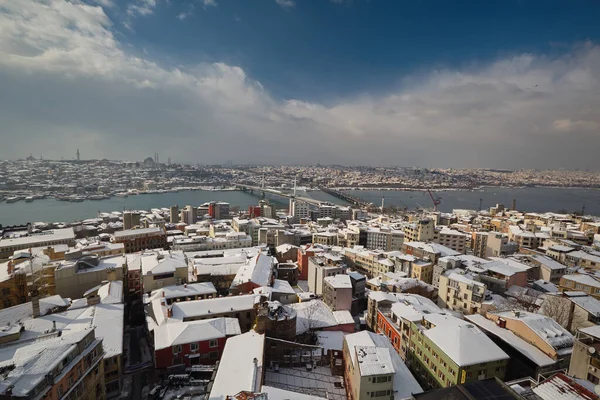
(78, 158)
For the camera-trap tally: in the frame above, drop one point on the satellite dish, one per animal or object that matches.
(591, 350)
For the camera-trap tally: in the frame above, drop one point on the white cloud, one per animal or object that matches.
(141, 8)
(568, 125)
(287, 4)
(210, 3)
(66, 82)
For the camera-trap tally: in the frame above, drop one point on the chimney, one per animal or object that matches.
(53, 326)
(35, 305)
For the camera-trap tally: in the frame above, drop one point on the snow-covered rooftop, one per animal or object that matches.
(404, 383)
(240, 368)
(462, 341)
(507, 336)
(178, 333)
(258, 270)
(208, 307)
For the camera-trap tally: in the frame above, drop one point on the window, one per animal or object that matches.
(193, 346)
(214, 355)
(213, 343)
(70, 380)
(59, 390)
(177, 349)
(177, 361)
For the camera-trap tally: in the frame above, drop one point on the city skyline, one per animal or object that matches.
(342, 82)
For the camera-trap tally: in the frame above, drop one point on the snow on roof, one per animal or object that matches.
(108, 320)
(258, 271)
(548, 262)
(111, 292)
(583, 279)
(34, 360)
(240, 368)
(313, 314)
(588, 303)
(138, 232)
(186, 290)
(507, 336)
(163, 262)
(503, 268)
(221, 305)
(547, 286)
(591, 331)
(545, 327)
(462, 341)
(24, 311)
(280, 394)
(431, 247)
(343, 317)
(282, 286)
(382, 296)
(464, 278)
(373, 360)
(404, 383)
(339, 281)
(560, 248)
(178, 333)
(413, 307)
(561, 387)
(35, 239)
(330, 340)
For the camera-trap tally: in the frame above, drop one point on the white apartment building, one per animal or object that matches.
(337, 292)
(321, 267)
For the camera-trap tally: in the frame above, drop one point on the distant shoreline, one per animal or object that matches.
(478, 188)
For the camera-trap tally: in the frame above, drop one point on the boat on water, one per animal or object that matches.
(12, 199)
(121, 195)
(29, 199)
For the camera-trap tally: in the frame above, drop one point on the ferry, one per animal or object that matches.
(121, 195)
(13, 199)
(29, 199)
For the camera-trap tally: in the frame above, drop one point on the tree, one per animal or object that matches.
(562, 310)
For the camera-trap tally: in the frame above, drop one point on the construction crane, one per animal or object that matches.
(437, 200)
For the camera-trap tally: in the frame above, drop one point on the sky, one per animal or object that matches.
(439, 84)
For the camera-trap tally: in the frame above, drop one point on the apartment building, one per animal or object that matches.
(373, 369)
(422, 270)
(241, 307)
(431, 251)
(421, 231)
(452, 239)
(498, 245)
(585, 360)
(69, 367)
(499, 276)
(459, 291)
(73, 278)
(257, 272)
(8, 245)
(479, 243)
(442, 350)
(185, 344)
(526, 360)
(141, 239)
(588, 284)
(163, 268)
(185, 292)
(541, 331)
(320, 267)
(550, 270)
(337, 292)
